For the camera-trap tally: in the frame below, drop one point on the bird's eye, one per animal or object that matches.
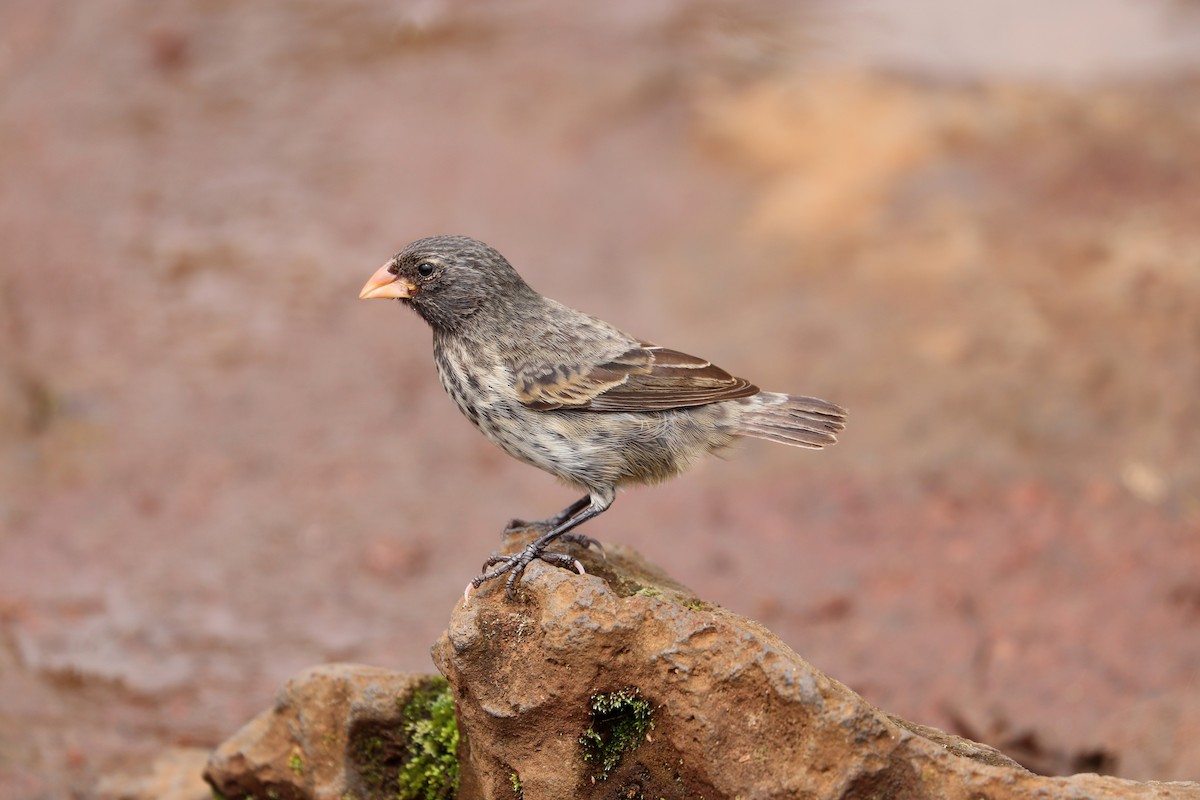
(425, 269)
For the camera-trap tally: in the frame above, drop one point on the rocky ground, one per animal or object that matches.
(620, 683)
(219, 468)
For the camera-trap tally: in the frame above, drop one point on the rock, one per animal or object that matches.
(335, 731)
(622, 683)
(616, 684)
(174, 775)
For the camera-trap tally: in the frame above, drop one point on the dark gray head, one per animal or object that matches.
(448, 280)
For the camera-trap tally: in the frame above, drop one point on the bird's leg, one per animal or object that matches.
(576, 514)
(546, 525)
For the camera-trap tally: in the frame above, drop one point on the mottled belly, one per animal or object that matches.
(586, 448)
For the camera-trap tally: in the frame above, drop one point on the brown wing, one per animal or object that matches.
(643, 378)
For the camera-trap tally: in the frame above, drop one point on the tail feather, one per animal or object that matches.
(797, 438)
(791, 419)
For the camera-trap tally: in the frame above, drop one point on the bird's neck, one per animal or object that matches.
(483, 321)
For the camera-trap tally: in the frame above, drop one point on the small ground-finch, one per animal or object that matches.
(567, 392)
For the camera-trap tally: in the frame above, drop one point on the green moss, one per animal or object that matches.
(416, 760)
(518, 789)
(377, 757)
(620, 721)
(430, 772)
(297, 764)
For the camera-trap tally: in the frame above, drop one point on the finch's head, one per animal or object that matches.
(446, 279)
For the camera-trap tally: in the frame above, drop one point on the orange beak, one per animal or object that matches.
(385, 284)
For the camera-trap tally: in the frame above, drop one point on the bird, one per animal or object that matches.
(573, 395)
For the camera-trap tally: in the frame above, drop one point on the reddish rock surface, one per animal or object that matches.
(723, 710)
(308, 745)
(735, 712)
(176, 774)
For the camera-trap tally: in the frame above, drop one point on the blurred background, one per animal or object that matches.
(972, 224)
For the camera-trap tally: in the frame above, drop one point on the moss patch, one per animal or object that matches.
(620, 721)
(431, 770)
(417, 760)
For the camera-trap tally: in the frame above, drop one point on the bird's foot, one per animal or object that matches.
(584, 542)
(543, 526)
(514, 567)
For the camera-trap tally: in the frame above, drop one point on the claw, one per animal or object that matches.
(493, 561)
(510, 586)
(467, 593)
(515, 565)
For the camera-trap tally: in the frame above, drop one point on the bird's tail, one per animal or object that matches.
(791, 419)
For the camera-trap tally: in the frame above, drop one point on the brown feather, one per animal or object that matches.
(643, 378)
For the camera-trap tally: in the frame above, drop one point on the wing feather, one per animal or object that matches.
(644, 377)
